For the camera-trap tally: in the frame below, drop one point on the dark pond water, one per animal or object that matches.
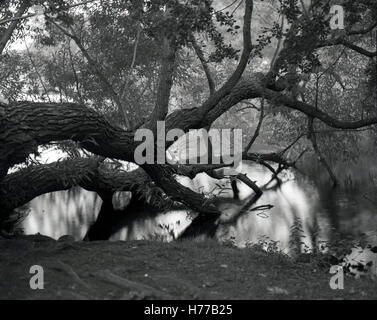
(352, 213)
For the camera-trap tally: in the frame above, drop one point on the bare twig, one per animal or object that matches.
(134, 54)
(282, 152)
(229, 5)
(257, 130)
(236, 8)
(249, 183)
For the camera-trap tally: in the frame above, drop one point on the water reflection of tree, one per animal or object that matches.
(63, 212)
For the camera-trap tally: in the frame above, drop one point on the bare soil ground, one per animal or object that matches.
(155, 270)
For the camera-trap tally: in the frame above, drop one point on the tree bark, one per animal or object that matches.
(25, 126)
(92, 174)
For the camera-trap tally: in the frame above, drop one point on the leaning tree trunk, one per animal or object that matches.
(92, 174)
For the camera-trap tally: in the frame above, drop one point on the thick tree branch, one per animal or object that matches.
(22, 186)
(309, 110)
(25, 126)
(215, 98)
(195, 118)
(191, 170)
(17, 19)
(265, 158)
(348, 44)
(63, 121)
(92, 174)
(164, 86)
(257, 130)
(163, 175)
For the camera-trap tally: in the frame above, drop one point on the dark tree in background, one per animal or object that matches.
(85, 75)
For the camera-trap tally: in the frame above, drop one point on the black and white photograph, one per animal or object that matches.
(192, 154)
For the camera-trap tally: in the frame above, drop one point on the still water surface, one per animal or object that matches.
(71, 212)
